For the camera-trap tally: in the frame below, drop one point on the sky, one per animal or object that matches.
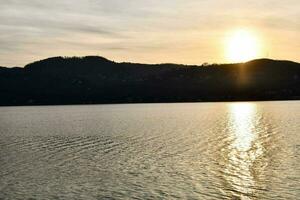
(145, 31)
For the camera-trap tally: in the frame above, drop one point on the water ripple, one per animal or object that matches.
(161, 151)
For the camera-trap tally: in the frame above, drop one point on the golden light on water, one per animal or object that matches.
(242, 116)
(242, 45)
(245, 148)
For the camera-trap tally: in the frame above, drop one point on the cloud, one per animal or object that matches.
(33, 29)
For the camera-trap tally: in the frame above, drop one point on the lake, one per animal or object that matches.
(247, 150)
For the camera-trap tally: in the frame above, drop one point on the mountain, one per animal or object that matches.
(95, 79)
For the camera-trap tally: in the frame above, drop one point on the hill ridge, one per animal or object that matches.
(95, 79)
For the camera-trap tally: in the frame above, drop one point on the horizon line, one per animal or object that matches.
(146, 63)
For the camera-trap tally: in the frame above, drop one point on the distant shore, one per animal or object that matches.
(97, 80)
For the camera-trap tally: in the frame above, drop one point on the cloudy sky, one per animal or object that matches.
(148, 31)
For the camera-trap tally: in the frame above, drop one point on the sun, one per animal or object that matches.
(241, 46)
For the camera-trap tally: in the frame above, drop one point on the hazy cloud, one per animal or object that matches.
(138, 30)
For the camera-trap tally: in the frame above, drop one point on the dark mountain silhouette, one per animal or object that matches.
(95, 79)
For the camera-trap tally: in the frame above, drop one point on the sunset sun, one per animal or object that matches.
(242, 46)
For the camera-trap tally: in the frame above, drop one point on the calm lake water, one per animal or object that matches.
(151, 151)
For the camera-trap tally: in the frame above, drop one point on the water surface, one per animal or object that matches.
(151, 151)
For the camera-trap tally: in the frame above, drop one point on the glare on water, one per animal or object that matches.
(245, 148)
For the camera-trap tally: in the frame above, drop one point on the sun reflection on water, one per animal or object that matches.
(242, 118)
(244, 149)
